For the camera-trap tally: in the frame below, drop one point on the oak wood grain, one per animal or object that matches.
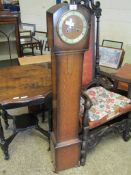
(22, 83)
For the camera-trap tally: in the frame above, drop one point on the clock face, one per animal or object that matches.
(72, 27)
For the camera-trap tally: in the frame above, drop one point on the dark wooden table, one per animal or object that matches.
(23, 83)
(22, 86)
(121, 85)
(124, 75)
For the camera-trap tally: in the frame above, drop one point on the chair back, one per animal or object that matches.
(28, 27)
(111, 55)
(89, 59)
(25, 34)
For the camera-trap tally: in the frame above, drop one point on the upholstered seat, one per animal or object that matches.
(106, 105)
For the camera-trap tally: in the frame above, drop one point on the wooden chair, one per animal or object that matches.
(27, 41)
(37, 36)
(102, 111)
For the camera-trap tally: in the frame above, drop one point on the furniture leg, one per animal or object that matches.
(129, 90)
(43, 117)
(22, 53)
(2, 138)
(9, 50)
(42, 131)
(33, 50)
(126, 132)
(129, 115)
(84, 147)
(5, 118)
(50, 120)
(3, 145)
(40, 46)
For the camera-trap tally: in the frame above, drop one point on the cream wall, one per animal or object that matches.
(116, 23)
(34, 12)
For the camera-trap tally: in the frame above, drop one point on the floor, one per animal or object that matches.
(29, 155)
(6, 63)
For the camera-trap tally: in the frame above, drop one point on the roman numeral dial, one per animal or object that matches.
(72, 27)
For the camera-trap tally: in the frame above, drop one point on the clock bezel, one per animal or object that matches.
(60, 24)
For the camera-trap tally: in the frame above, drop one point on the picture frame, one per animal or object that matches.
(111, 57)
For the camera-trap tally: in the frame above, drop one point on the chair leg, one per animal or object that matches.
(83, 154)
(43, 117)
(84, 146)
(32, 48)
(126, 132)
(126, 135)
(41, 47)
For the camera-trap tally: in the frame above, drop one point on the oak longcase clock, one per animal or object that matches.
(68, 38)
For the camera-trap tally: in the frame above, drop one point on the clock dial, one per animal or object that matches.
(72, 27)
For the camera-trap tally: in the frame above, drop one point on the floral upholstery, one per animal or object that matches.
(105, 105)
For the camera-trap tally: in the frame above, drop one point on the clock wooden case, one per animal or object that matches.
(68, 37)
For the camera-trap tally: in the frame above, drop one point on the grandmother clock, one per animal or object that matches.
(68, 37)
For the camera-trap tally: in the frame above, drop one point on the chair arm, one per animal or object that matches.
(41, 32)
(107, 82)
(87, 105)
(35, 39)
(91, 84)
(88, 102)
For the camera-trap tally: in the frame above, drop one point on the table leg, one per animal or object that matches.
(5, 118)
(129, 90)
(1, 133)
(3, 144)
(128, 127)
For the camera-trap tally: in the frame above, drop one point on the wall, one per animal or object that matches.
(116, 23)
(115, 20)
(34, 12)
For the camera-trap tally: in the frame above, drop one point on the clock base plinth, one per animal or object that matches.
(66, 154)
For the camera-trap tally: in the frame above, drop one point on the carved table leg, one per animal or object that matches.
(128, 128)
(3, 145)
(42, 131)
(5, 118)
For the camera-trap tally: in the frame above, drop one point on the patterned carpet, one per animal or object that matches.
(29, 155)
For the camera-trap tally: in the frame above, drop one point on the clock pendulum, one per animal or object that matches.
(68, 37)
